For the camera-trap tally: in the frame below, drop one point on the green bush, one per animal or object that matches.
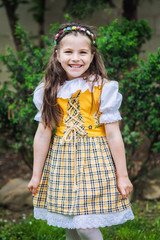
(120, 46)
(26, 69)
(141, 94)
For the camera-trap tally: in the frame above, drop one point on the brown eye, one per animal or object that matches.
(67, 51)
(83, 52)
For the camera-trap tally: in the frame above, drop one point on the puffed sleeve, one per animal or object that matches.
(37, 99)
(110, 102)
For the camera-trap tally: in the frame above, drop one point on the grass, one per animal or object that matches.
(146, 225)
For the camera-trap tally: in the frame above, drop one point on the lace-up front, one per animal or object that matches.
(75, 125)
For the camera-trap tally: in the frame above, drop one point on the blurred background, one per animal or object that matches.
(128, 38)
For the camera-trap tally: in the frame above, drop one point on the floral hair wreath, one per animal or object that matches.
(73, 28)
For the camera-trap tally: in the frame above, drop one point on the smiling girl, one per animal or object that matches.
(80, 180)
(75, 59)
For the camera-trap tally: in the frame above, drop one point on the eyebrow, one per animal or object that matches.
(83, 49)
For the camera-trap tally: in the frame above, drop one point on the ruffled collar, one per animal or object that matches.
(71, 87)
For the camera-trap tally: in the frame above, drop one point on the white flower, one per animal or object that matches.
(24, 216)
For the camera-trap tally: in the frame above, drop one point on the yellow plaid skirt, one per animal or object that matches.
(96, 179)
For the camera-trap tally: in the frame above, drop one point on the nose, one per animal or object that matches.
(75, 57)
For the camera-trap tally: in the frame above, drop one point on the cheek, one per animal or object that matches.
(89, 60)
(63, 59)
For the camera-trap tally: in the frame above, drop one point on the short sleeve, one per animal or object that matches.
(110, 102)
(38, 99)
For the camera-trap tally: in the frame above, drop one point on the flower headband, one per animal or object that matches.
(73, 28)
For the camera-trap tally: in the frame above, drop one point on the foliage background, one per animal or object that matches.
(120, 46)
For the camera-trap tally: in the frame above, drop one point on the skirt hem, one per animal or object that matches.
(84, 221)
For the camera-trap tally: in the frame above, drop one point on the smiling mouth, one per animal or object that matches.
(75, 66)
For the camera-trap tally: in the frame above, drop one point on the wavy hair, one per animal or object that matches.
(55, 76)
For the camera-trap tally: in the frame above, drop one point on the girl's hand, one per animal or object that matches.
(33, 185)
(124, 185)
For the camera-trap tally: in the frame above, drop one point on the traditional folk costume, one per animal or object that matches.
(78, 188)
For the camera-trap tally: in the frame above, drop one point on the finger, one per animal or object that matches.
(127, 192)
(30, 187)
(34, 190)
(124, 196)
(123, 193)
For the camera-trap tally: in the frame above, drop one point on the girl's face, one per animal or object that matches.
(75, 55)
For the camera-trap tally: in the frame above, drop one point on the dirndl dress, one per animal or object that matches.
(78, 187)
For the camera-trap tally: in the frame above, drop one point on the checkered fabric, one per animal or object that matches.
(96, 180)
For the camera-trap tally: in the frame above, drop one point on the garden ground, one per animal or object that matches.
(12, 166)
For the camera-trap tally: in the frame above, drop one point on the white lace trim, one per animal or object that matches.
(84, 221)
(110, 117)
(71, 87)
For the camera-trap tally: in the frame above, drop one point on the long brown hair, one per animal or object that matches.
(56, 76)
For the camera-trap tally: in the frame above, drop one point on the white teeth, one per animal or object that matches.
(75, 66)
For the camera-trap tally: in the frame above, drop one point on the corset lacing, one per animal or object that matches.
(71, 133)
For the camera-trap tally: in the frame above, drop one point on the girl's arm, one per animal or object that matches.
(41, 145)
(116, 145)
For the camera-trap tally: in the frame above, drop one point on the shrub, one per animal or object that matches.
(26, 69)
(120, 45)
(141, 93)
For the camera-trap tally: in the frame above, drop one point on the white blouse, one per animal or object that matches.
(109, 101)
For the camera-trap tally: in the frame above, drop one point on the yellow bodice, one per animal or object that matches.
(82, 101)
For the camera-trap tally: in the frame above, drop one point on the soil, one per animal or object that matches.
(13, 166)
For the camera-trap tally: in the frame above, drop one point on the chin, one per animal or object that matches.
(75, 76)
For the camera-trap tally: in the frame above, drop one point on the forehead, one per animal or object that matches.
(75, 40)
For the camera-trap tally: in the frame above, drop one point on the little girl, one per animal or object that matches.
(80, 179)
